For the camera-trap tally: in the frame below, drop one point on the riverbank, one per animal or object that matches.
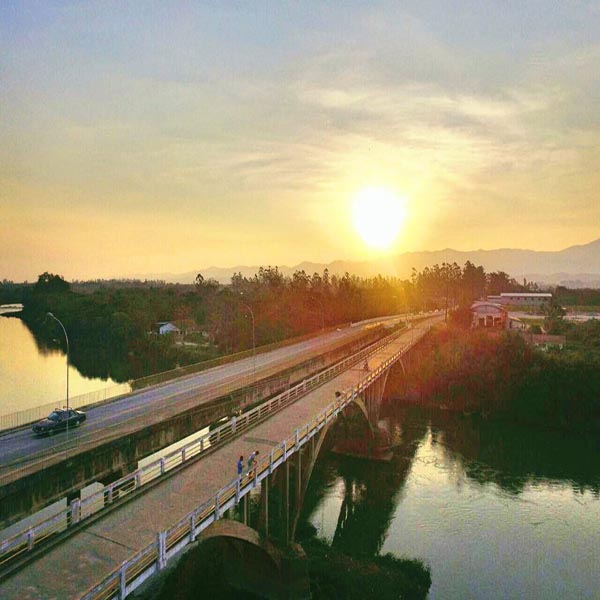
(503, 377)
(334, 574)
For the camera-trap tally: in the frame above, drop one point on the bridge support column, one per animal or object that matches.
(245, 509)
(263, 518)
(299, 477)
(364, 436)
(286, 501)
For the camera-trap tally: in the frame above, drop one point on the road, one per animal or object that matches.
(20, 449)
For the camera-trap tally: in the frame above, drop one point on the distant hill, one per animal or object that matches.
(576, 266)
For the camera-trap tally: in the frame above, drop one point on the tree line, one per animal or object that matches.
(112, 324)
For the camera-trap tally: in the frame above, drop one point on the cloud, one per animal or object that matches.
(274, 118)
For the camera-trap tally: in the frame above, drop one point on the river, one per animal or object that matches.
(32, 375)
(496, 511)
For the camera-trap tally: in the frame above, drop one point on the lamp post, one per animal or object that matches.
(253, 340)
(67, 340)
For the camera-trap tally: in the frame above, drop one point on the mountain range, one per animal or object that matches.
(575, 266)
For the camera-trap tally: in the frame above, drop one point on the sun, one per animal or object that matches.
(378, 216)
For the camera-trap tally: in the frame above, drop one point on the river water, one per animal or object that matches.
(495, 511)
(32, 375)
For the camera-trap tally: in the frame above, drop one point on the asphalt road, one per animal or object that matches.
(20, 449)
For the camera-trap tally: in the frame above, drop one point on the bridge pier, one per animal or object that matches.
(363, 434)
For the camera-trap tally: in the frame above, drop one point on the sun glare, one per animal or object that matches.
(378, 216)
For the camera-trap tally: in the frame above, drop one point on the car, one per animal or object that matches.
(59, 419)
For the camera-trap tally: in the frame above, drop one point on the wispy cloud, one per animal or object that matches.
(227, 121)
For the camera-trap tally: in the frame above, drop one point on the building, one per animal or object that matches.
(165, 327)
(526, 299)
(488, 314)
(492, 314)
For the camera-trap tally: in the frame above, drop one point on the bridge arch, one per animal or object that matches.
(234, 530)
(367, 404)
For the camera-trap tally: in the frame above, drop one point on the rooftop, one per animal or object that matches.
(527, 294)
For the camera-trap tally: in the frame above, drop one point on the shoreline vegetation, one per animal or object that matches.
(503, 377)
(332, 574)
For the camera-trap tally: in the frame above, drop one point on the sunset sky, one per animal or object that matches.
(144, 137)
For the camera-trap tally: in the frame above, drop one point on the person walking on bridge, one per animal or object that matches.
(252, 462)
(240, 466)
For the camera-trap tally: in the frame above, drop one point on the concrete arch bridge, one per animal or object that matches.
(130, 545)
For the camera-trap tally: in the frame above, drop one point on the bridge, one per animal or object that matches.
(118, 434)
(130, 530)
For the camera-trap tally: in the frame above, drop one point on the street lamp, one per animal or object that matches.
(67, 340)
(253, 340)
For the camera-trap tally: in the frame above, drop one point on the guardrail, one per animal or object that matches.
(133, 572)
(30, 538)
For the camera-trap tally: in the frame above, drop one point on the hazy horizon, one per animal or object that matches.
(184, 136)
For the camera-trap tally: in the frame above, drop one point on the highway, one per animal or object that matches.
(20, 449)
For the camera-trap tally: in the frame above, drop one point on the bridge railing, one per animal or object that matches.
(31, 536)
(133, 572)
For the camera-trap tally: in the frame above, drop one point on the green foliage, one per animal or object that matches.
(504, 377)
(448, 284)
(554, 317)
(584, 338)
(577, 297)
(48, 283)
(337, 575)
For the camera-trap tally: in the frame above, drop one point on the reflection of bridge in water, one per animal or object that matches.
(118, 552)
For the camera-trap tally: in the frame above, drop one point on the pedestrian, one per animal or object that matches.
(240, 466)
(252, 462)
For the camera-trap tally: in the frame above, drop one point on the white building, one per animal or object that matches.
(489, 314)
(165, 327)
(525, 299)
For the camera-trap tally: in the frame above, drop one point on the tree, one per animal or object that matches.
(555, 317)
(48, 283)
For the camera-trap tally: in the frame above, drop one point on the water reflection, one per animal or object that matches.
(496, 511)
(32, 370)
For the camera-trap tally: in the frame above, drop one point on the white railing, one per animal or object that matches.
(133, 572)
(26, 540)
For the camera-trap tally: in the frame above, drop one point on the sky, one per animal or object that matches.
(156, 137)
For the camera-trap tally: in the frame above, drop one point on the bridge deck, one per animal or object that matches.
(87, 557)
